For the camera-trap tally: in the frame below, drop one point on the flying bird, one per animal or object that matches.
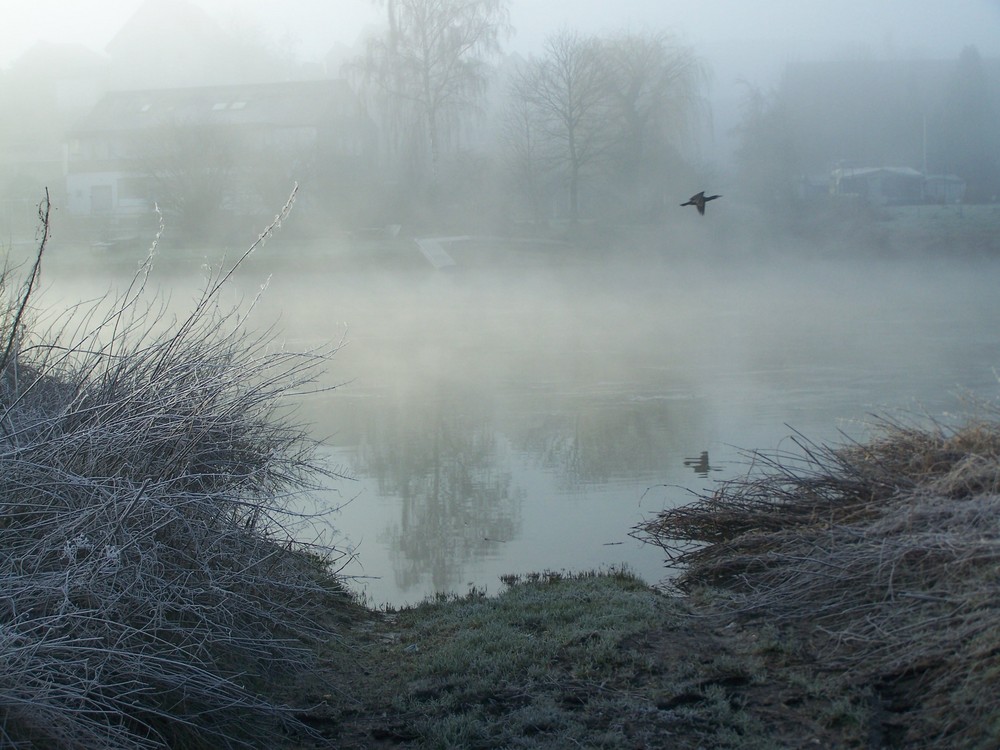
(699, 201)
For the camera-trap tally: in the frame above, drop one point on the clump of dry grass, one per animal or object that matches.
(884, 557)
(151, 593)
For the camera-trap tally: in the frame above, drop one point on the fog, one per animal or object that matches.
(539, 345)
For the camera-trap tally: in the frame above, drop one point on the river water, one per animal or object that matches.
(524, 415)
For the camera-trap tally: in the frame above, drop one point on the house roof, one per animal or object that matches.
(285, 104)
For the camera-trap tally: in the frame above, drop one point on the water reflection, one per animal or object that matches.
(598, 442)
(438, 453)
(470, 483)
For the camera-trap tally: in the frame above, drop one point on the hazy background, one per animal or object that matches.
(741, 40)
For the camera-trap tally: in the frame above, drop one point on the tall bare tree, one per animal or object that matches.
(433, 62)
(655, 83)
(622, 105)
(523, 147)
(567, 88)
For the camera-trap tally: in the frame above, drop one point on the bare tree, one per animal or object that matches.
(655, 85)
(567, 88)
(432, 63)
(624, 105)
(521, 136)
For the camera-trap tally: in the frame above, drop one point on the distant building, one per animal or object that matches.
(944, 188)
(213, 143)
(880, 186)
(896, 186)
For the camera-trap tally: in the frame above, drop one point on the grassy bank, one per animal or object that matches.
(593, 660)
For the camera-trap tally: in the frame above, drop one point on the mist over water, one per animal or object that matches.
(521, 414)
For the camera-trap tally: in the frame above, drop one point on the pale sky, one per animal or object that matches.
(884, 27)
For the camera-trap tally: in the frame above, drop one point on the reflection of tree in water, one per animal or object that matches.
(441, 456)
(602, 442)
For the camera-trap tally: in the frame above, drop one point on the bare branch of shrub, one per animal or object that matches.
(153, 591)
(29, 285)
(883, 556)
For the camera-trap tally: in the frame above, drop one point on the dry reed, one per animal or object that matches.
(883, 557)
(152, 593)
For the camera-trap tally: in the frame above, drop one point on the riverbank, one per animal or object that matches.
(847, 597)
